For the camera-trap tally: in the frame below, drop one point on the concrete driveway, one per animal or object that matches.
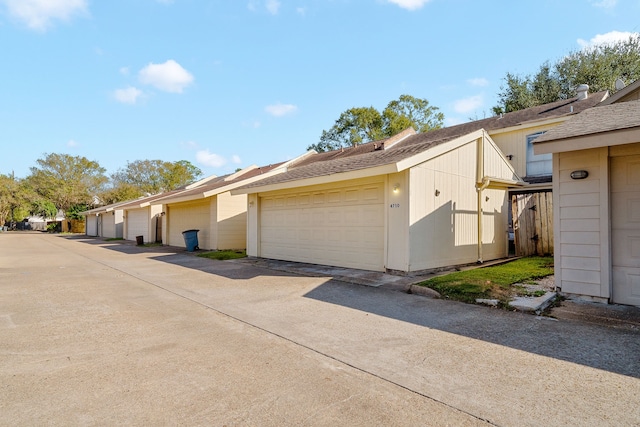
(97, 333)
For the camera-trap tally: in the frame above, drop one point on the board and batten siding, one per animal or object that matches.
(582, 264)
(443, 217)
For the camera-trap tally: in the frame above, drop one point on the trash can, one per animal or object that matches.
(140, 240)
(191, 239)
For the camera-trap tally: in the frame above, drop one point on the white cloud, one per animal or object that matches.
(409, 4)
(467, 105)
(40, 14)
(127, 96)
(72, 144)
(478, 81)
(279, 110)
(206, 158)
(236, 159)
(605, 4)
(169, 77)
(607, 38)
(273, 6)
(124, 71)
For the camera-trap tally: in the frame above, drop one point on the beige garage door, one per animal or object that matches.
(189, 216)
(340, 226)
(138, 224)
(625, 229)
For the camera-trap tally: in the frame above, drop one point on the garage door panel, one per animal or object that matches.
(138, 224)
(625, 229)
(341, 227)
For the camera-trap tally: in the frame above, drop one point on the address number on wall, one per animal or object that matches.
(395, 205)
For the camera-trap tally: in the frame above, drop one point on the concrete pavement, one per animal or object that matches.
(93, 332)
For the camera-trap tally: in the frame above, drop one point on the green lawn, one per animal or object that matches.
(223, 255)
(491, 282)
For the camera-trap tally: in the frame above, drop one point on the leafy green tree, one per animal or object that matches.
(364, 124)
(67, 180)
(119, 193)
(152, 177)
(44, 208)
(15, 199)
(598, 66)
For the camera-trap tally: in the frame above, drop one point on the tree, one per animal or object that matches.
(152, 177)
(363, 124)
(598, 66)
(44, 208)
(10, 199)
(67, 180)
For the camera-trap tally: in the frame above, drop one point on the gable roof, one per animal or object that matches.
(366, 160)
(622, 93)
(218, 185)
(589, 126)
(374, 156)
(104, 209)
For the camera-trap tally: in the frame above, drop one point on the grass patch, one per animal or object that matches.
(491, 282)
(223, 255)
(151, 245)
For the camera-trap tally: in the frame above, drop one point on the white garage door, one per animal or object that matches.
(92, 225)
(340, 226)
(189, 216)
(138, 224)
(625, 229)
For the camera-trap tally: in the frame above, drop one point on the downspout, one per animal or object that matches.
(482, 182)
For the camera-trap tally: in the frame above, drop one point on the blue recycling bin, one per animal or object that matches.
(191, 239)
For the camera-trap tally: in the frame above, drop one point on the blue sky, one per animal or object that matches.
(231, 83)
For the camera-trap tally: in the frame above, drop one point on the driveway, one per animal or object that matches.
(95, 332)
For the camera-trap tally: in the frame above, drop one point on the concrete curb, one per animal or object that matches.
(423, 291)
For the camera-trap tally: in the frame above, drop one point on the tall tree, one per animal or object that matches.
(153, 177)
(363, 124)
(67, 180)
(598, 66)
(14, 199)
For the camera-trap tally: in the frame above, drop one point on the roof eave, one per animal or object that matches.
(585, 142)
(322, 179)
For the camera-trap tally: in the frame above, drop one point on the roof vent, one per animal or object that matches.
(583, 92)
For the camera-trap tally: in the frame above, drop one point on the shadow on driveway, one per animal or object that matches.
(592, 345)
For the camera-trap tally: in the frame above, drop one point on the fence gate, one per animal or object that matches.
(533, 223)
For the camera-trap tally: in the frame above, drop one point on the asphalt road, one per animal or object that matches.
(103, 333)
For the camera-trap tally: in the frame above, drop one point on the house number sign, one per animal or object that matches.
(395, 205)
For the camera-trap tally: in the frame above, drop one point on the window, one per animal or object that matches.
(537, 164)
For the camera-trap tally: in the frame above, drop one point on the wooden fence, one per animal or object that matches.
(533, 223)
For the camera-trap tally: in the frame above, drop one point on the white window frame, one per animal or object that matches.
(538, 164)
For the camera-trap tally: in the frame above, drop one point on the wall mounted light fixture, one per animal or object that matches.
(581, 174)
(437, 193)
(162, 213)
(396, 188)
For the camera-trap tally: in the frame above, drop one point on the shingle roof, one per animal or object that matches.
(600, 119)
(370, 155)
(220, 183)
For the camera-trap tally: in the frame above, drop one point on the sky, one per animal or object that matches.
(226, 84)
